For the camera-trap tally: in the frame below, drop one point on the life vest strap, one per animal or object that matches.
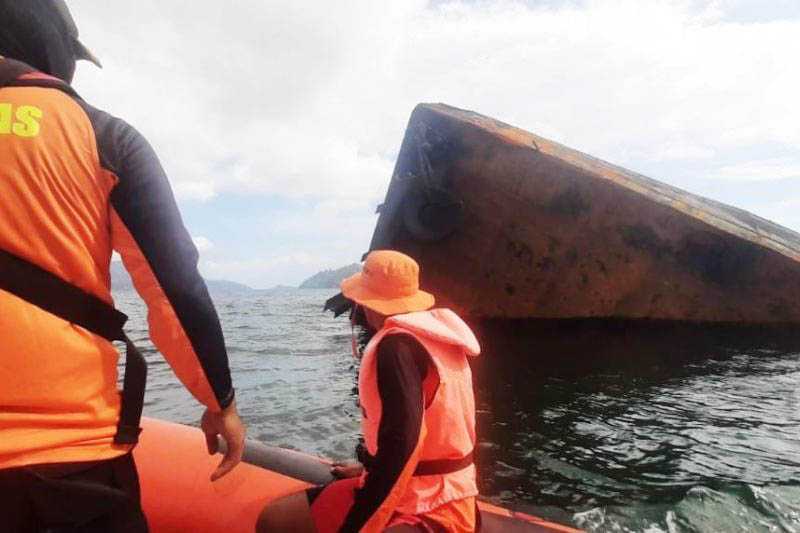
(424, 468)
(443, 466)
(68, 302)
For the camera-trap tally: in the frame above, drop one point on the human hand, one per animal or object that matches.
(346, 470)
(229, 426)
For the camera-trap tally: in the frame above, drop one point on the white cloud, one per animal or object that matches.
(785, 211)
(264, 272)
(790, 204)
(328, 235)
(312, 99)
(762, 170)
(203, 244)
(309, 100)
(252, 98)
(238, 268)
(679, 150)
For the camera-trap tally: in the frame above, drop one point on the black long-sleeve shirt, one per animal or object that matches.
(402, 366)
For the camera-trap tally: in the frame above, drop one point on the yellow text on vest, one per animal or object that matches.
(22, 121)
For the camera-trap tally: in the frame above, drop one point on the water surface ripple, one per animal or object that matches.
(610, 432)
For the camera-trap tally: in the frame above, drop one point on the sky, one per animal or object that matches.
(278, 122)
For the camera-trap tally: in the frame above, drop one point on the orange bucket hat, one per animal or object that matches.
(389, 284)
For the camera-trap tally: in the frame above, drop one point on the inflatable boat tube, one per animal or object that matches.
(177, 496)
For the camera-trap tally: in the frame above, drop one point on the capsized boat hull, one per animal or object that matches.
(507, 224)
(177, 495)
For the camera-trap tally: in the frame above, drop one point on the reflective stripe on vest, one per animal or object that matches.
(449, 418)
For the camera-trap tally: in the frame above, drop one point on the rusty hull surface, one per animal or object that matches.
(550, 232)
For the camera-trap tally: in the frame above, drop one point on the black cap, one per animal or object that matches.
(81, 52)
(42, 34)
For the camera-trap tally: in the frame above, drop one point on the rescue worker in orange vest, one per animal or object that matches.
(416, 471)
(75, 184)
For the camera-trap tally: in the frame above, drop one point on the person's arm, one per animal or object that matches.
(158, 252)
(402, 364)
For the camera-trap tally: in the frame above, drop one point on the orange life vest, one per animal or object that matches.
(76, 183)
(449, 417)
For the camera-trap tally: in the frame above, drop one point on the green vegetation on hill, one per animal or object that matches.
(330, 279)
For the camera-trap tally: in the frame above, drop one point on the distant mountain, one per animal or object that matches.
(327, 279)
(121, 281)
(277, 289)
(330, 279)
(228, 288)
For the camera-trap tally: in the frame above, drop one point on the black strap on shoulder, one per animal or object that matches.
(49, 292)
(64, 300)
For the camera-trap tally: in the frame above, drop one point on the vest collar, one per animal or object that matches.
(18, 74)
(441, 325)
(11, 69)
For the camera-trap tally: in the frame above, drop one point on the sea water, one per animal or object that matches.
(605, 429)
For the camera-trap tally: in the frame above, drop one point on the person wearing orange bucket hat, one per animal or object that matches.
(388, 284)
(415, 470)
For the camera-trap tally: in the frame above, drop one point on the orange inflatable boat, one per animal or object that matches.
(177, 495)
